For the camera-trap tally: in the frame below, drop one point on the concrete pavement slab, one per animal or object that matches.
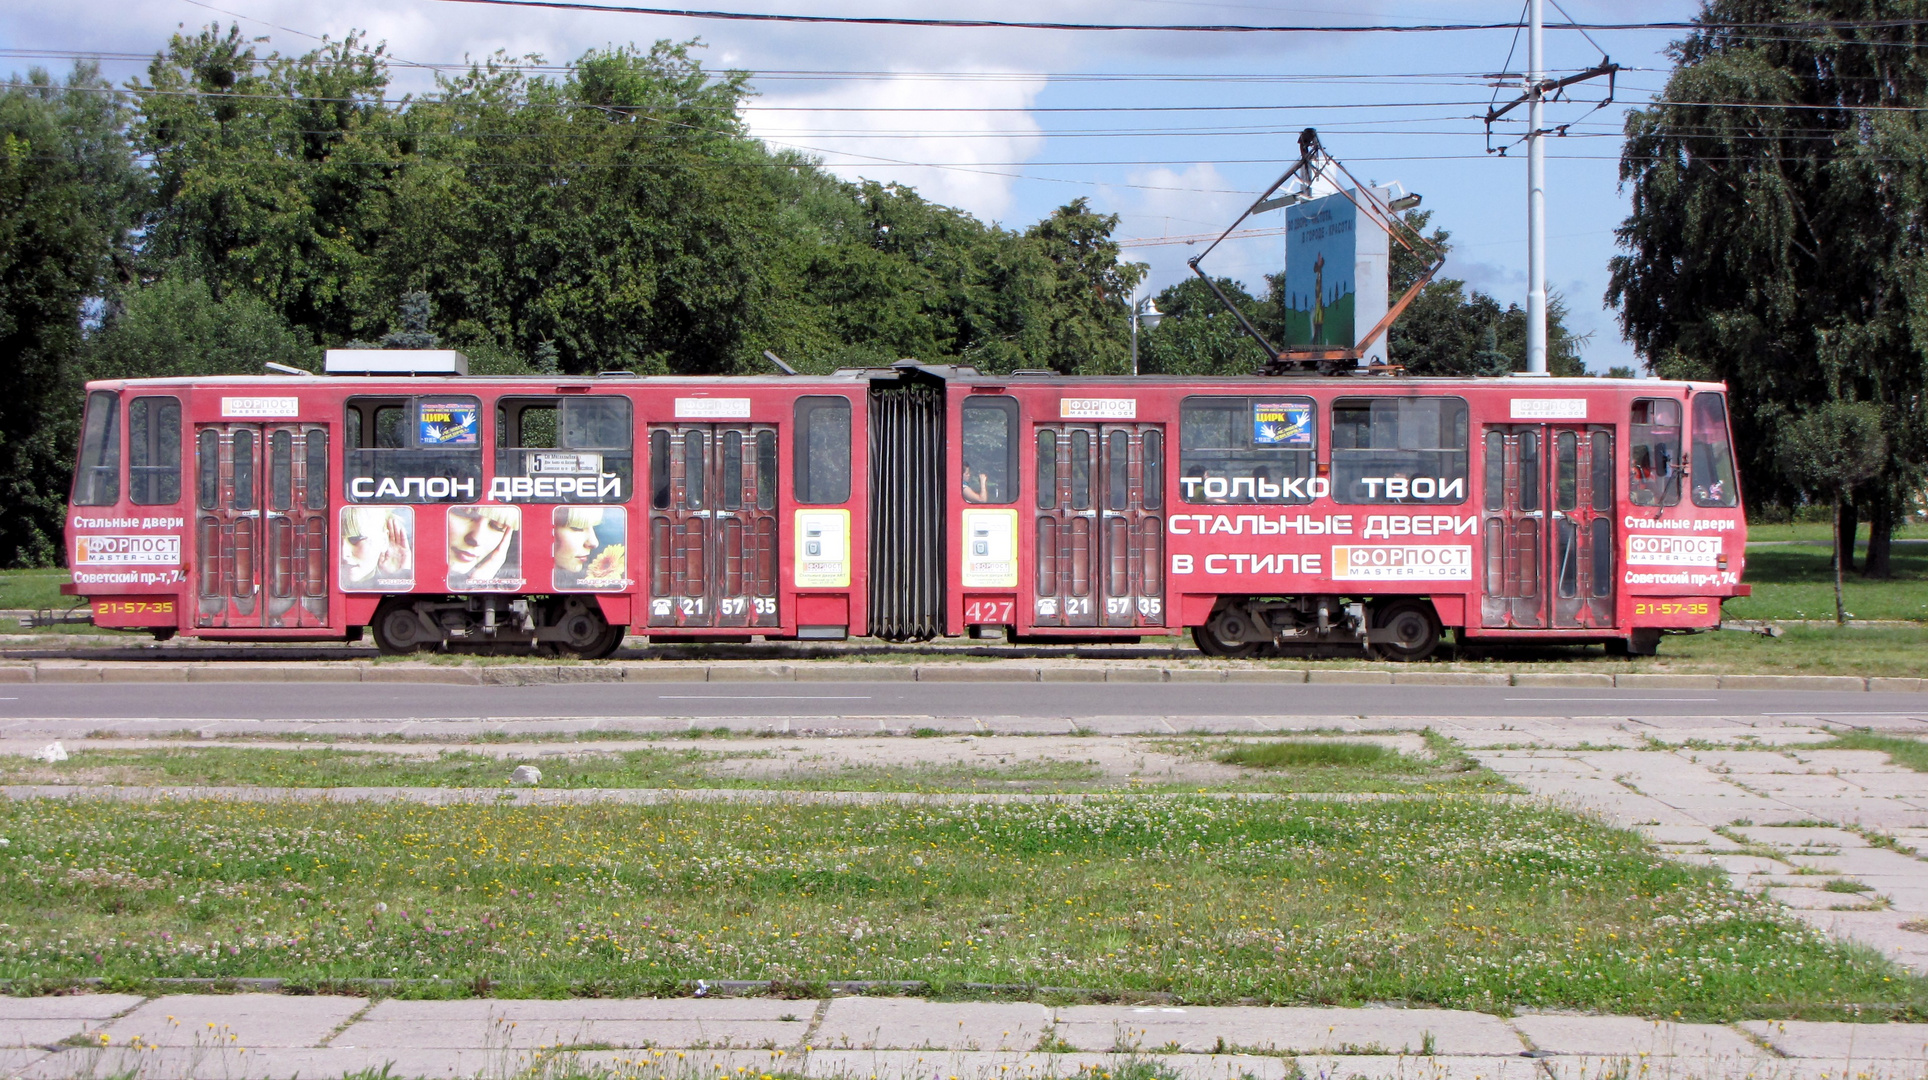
(1293, 1030)
(1842, 1042)
(859, 1023)
(1388, 1067)
(1781, 836)
(1872, 1069)
(531, 1024)
(16, 1061)
(275, 1063)
(243, 1020)
(1628, 1036)
(67, 1006)
(45, 1032)
(983, 1065)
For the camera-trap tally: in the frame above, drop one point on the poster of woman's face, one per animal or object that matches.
(377, 548)
(591, 549)
(484, 547)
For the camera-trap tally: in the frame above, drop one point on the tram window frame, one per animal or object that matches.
(1239, 456)
(375, 448)
(1713, 479)
(1447, 463)
(987, 454)
(154, 450)
(562, 427)
(820, 445)
(97, 477)
(1646, 430)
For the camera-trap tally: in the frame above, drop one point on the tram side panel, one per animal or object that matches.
(128, 515)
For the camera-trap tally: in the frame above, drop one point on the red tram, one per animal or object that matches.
(907, 503)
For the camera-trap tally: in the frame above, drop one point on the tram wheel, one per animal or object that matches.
(1413, 628)
(399, 631)
(587, 635)
(1211, 644)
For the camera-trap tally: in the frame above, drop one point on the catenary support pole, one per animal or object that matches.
(1535, 195)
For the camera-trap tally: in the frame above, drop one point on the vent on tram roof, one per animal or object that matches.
(396, 362)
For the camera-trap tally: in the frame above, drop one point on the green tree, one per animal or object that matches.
(175, 327)
(1198, 336)
(1087, 310)
(274, 175)
(1780, 198)
(1825, 452)
(67, 189)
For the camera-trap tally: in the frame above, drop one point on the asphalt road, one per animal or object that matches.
(817, 701)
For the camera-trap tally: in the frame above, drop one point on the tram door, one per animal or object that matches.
(261, 525)
(1100, 552)
(1548, 535)
(713, 525)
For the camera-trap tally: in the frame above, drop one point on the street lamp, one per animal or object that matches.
(1147, 312)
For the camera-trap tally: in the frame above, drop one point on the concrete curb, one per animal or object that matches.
(661, 671)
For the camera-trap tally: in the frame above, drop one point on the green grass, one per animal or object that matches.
(1315, 754)
(1797, 582)
(1450, 902)
(34, 589)
(687, 767)
(1910, 753)
(1822, 532)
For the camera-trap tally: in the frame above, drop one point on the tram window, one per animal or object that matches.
(571, 449)
(1713, 460)
(823, 450)
(1653, 453)
(281, 470)
(1399, 450)
(316, 483)
(766, 470)
(243, 470)
(1154, 470)
(154, 451)
(1495, 470)
(696, 468)
(1602, 471)
(1047, 477)
(97, 481)
(990, 468)
(1246, 449)
(207, 466)
(990, 453)
(659, 469)
(1566, 476)
(732, 493)
(1081, 470)
(411, 450)
(1117, 471)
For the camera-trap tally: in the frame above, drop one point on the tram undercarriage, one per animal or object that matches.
(558, 625)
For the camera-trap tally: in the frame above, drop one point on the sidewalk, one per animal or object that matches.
(1752, 812)
(269, 1036)
(171, 667)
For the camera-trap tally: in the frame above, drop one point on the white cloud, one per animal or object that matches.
(972, 149)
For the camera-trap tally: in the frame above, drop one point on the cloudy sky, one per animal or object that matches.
(1174, 132)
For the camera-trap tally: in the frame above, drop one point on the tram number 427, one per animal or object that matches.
(989, 612)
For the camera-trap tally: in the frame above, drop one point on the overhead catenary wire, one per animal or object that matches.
(1204, 28)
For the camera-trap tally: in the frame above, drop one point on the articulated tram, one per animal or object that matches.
(905, 503)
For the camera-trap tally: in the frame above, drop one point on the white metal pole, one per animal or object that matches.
(1535, 198)
(1134, 337)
